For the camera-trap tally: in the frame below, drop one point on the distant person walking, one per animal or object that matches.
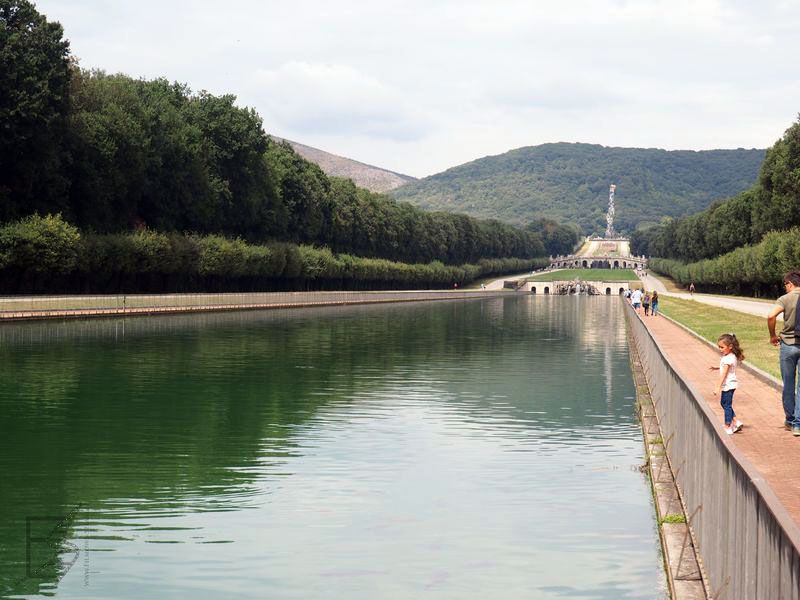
(732, 355)
(646, 303)
(691, 289)
(789, 342)
(654, 304)
(636, 300)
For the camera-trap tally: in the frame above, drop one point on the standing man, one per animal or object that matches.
(789, 342)
(636, 300)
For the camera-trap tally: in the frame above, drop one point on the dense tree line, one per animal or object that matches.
(569, 183)
(756, 269)
(113, 154)
(558, 239)
(47, 254)
(151, 153)
(773, 203)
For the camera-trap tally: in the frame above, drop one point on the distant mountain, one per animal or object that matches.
(569, 183)
(372, 178)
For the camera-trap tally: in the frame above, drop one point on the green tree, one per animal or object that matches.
(109, 147)
(34, 86)
(233, 146)
(779, 205)
(558, 239)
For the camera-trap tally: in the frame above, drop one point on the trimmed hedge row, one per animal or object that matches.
(46, 254)
(756, 269)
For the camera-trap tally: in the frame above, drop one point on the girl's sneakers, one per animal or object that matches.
(735, 426)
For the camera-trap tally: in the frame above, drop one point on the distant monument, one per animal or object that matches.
(611, 251)
(610, 233)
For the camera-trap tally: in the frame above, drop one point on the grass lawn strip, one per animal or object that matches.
(587, 275)
(711, 321)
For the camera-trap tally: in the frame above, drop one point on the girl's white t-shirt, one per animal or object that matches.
(730, 382)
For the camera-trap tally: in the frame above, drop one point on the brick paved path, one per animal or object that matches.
(774, 451)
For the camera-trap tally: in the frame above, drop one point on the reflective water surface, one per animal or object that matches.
(477, 449)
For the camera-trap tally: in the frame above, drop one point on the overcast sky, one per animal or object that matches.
(418, 86)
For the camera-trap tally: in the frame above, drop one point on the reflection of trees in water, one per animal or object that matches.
(188, 412)
(176, 411)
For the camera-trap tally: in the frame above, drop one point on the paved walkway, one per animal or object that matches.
(774, 451)
(497, 284)
(751, 307)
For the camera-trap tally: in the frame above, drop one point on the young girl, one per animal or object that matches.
(654, 304)
(731, 356)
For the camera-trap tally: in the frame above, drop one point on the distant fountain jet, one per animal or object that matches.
(610, 233)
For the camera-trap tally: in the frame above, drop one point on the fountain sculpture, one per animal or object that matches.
(610, 233)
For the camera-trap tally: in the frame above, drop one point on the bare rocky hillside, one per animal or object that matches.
(372, 178)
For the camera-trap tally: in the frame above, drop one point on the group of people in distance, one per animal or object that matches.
(642, 300)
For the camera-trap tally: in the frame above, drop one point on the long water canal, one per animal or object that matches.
(478, 449)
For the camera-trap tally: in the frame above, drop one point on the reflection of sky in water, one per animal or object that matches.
(456, 450)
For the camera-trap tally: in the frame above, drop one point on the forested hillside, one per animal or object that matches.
(746, 242)
(114, 156)
(569, 183)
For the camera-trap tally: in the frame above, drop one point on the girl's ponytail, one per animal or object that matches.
(731, 340)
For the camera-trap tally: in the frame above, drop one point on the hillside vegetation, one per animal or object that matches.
(569, 183)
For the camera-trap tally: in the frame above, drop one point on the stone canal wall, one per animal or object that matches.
(749, 544)
(64, 307)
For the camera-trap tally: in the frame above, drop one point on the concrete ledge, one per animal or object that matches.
(311, 299)
(689, 590)
(676, 536)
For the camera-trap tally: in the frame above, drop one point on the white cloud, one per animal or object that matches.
(422, 85)
(331, 99)
(557, 94)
